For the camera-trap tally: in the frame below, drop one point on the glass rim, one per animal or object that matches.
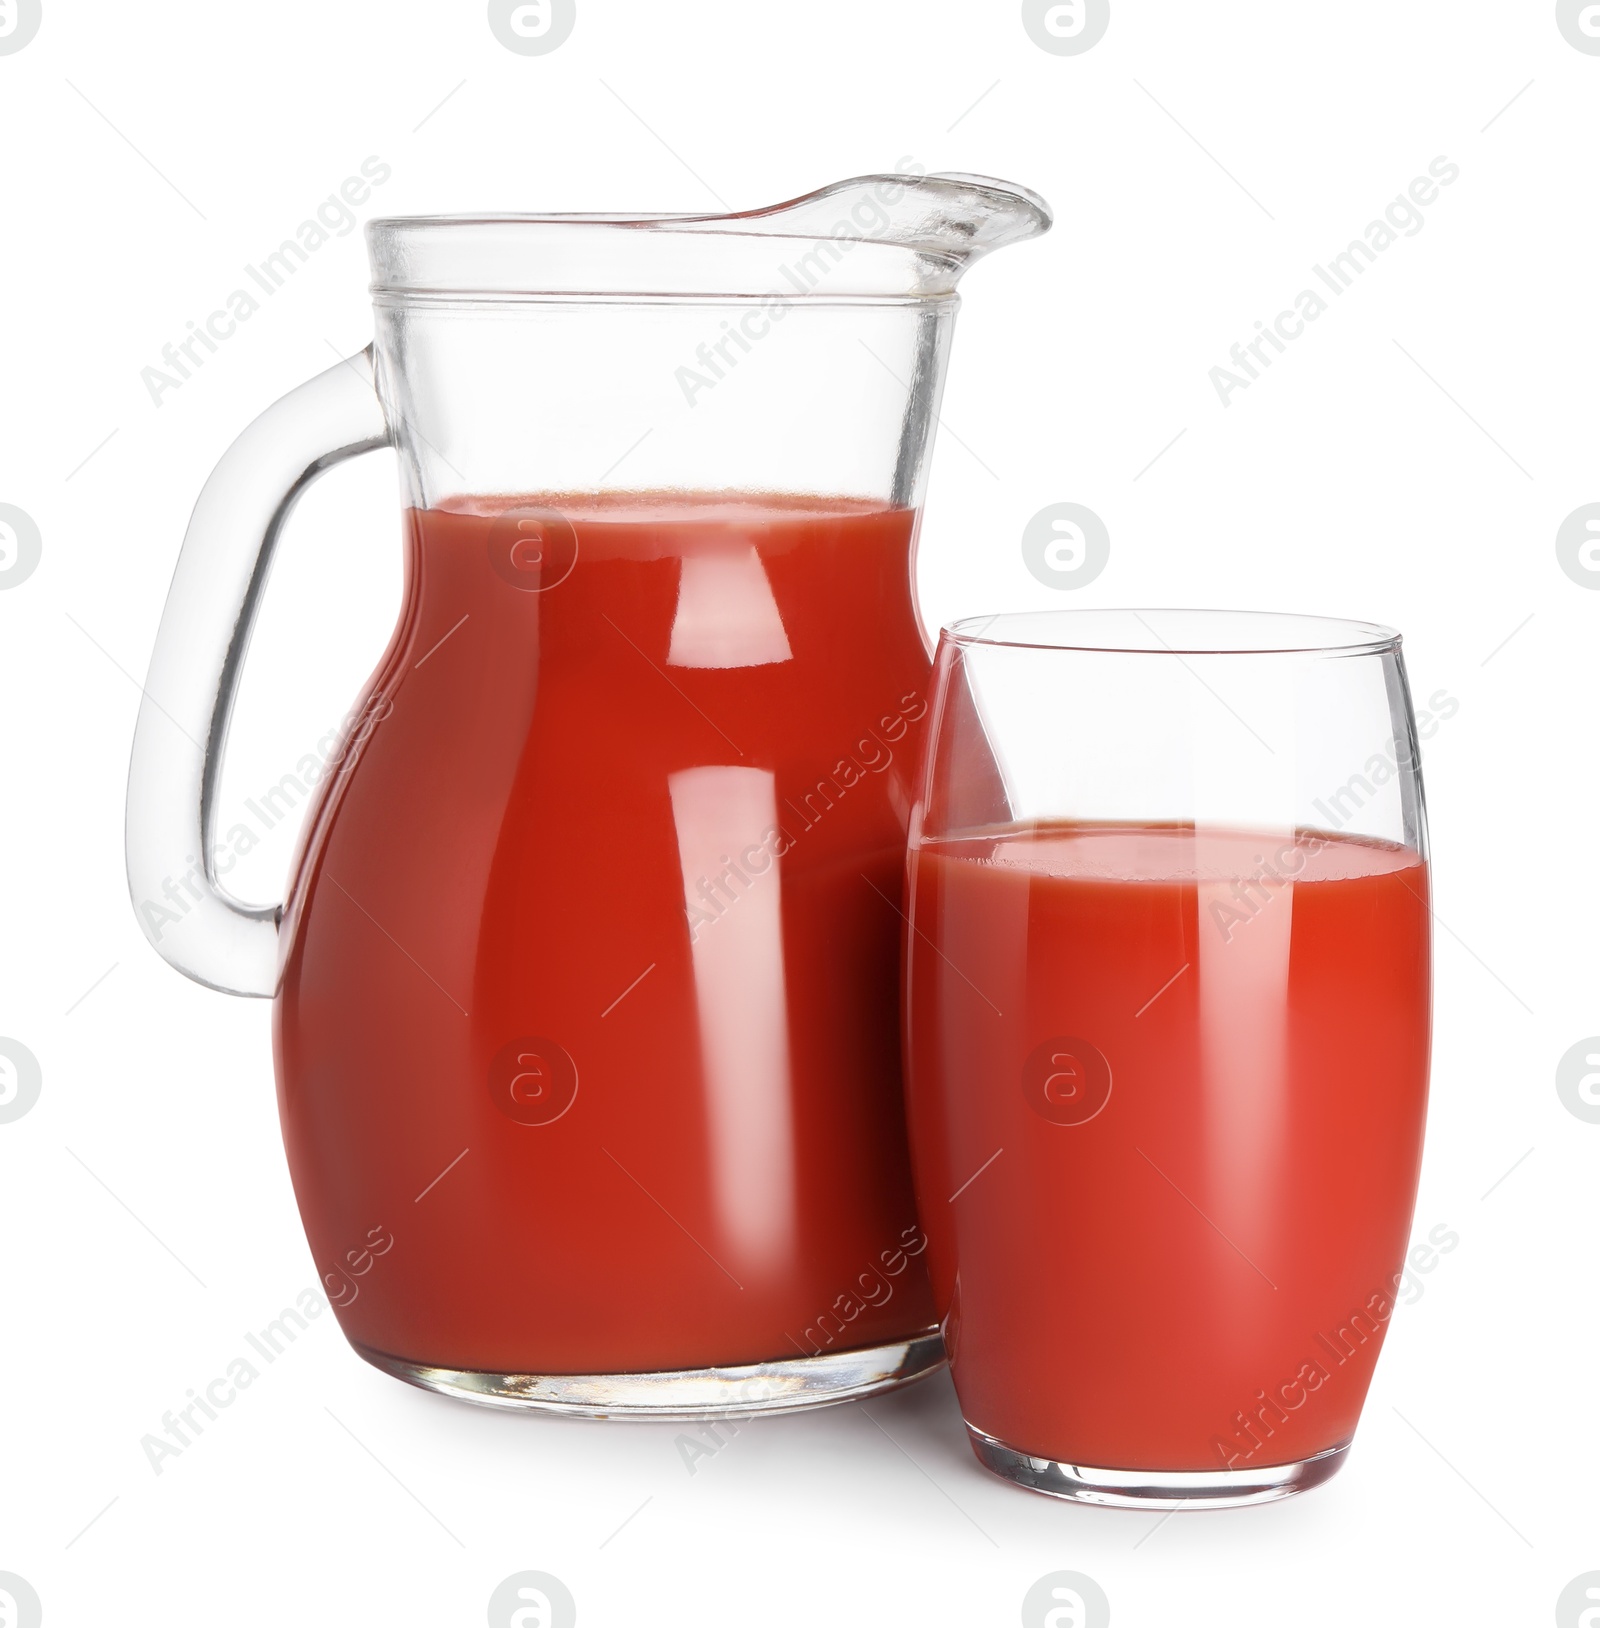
(1259, 633)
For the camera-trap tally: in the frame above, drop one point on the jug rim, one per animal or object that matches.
(943, 180)
(900, 235)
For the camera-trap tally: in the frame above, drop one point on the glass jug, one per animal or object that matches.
(586, 983)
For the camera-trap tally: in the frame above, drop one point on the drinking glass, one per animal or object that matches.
(1167, 1017)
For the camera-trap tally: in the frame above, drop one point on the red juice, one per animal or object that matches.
(590, 990)
(1198, 1063)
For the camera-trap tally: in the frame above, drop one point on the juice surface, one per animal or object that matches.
(590, 990)
(1198, 1062)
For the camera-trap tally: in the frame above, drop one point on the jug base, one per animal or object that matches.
(785, 1385)
(1155, 1489)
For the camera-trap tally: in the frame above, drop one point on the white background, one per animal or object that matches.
(1346, 481)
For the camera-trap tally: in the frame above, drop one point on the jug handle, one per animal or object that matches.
(192, 920)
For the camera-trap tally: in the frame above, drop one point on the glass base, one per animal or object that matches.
(1155, 1489)
(782, 1386)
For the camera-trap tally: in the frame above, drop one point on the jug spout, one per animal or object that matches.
(943, 222)
(900, 235)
